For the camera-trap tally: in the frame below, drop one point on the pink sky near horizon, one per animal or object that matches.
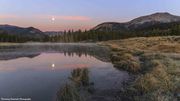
(49, 22)
(60, 22)
(46, 22)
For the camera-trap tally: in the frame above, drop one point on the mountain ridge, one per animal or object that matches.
(143, 21)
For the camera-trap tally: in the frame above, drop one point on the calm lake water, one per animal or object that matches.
(38, 71)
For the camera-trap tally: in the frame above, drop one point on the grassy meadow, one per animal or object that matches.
(155, 63)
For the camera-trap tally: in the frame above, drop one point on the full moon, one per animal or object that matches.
(53, 19)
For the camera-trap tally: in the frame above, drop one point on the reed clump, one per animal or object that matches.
(126, 61)
(69, 93)
(78, 88)
(80, 77)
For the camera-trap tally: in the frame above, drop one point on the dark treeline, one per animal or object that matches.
(89, 36)
(93, 36)
(19, 39)
(6, 37)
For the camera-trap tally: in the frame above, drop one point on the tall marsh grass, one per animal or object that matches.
(68, 93)
(72, 91)
(80, 77)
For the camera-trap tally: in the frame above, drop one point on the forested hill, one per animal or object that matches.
(9, 33)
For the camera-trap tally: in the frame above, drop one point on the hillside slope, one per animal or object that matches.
(30, 32)
(138, 23)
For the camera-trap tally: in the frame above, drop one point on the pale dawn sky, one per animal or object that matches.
(56, 15)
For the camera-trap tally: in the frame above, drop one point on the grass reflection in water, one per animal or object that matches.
(79, 87)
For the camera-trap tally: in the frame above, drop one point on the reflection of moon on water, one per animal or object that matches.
(53, 66)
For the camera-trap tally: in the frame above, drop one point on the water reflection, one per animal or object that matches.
(33, 50)
(80, 77)
(49, 62)
(38, 71)
(79, 87)
(69, 93)
(53, 66)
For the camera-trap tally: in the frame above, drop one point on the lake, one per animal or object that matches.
(38, 71)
